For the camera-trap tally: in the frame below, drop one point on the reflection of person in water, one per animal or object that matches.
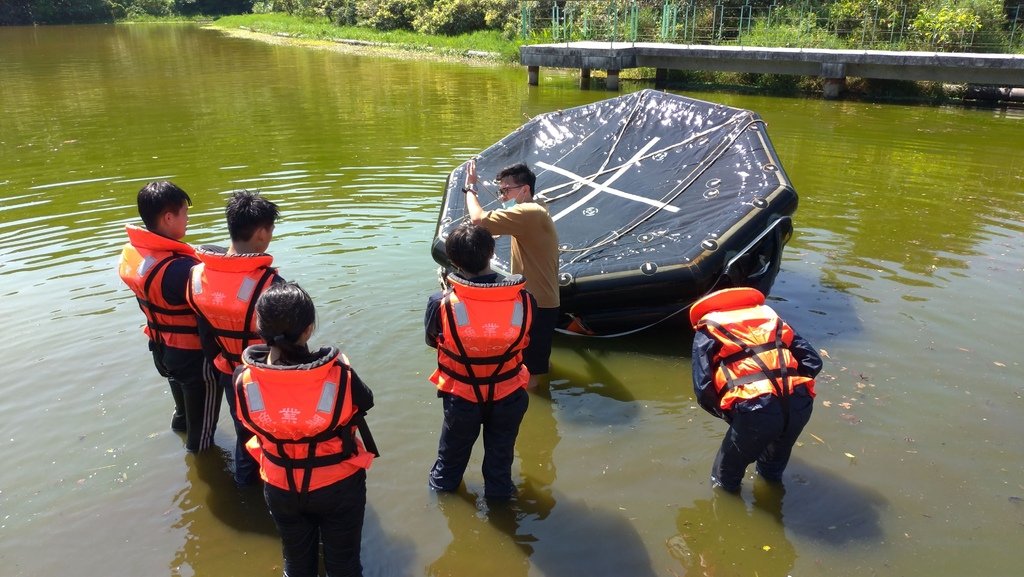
(722, 536)
(480, 538)
(216, 517)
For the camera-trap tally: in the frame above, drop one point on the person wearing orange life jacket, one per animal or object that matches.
(753, 370)
(480, 328)
(305, 408)
(155, 265)
(223, 289)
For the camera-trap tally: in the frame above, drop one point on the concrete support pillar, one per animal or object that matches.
(660, 77)
(584, 78)
(533, 75)
(613, 80)
(834, 77)
(833, 87)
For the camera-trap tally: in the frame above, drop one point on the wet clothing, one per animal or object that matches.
(156, 269)
(463, 421)
(332, 515)
(535, 255)
(223, 290)
(752, 370)
(491, 317)
(305, 419)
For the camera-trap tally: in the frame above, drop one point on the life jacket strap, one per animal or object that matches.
(765, 373)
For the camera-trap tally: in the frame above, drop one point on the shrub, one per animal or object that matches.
(389, 14)
(451, 17)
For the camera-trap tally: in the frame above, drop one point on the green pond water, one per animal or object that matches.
(906, 268)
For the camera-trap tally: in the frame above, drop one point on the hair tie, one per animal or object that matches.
(278, 340)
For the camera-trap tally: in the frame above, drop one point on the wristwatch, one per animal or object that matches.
(468, 189)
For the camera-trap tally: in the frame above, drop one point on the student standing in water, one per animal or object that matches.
(305, 408)
(480, 328)
(751, 369)
(223, 289)
(155, 265)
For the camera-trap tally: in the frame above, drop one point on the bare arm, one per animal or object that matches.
(473, 207)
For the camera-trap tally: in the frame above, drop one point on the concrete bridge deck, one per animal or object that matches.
(833, 66)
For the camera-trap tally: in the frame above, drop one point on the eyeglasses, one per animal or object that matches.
(506, 189)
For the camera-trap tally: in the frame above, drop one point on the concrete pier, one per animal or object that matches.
(834, 66)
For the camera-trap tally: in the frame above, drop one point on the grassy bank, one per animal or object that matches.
(490, 44)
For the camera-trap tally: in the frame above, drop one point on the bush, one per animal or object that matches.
(389, 14)
(451, 17)
(963, 25)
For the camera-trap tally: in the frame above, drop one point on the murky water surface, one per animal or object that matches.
(906, 268)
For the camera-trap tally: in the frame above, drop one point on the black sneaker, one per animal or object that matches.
(178, 423)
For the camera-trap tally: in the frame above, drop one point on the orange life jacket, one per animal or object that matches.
(144, 261)
(754, 358)
(304, 421)
(484, 331)
(223, 290)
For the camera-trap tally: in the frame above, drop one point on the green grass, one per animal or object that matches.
(489, 41)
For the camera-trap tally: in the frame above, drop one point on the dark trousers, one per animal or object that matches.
(462, 423)
(332, 515)
(196, 395)
(537, 356)
(766, 436)
(247, 470)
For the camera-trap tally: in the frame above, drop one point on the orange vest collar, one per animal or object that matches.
(145, 239)
(725, 300)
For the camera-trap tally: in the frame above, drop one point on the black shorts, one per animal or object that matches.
(538, 352)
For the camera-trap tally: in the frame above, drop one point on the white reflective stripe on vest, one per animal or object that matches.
(197, 281)
(517, 314)
(327, 398)
(461, 314)
(252, 392)
(144, 266)
(245, 291)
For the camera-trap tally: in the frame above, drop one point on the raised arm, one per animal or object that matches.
(473, 207)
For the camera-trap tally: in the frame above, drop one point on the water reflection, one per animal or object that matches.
(213, 509)
(724, 536)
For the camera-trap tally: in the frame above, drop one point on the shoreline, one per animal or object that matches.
(361, 47)
(858, 89)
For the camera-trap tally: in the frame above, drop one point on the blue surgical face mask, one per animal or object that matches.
(507, 204)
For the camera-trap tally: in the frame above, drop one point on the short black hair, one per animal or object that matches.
(159, 197)
(470, 248)
(283, 312)
(248, 211)
(521, 174)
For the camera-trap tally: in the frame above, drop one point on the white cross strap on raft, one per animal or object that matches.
(604, 187)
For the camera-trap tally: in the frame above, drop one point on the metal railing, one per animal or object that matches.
(780, 24)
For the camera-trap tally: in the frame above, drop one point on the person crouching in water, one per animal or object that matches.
(480, 328)
(753, 370)
(304, 408)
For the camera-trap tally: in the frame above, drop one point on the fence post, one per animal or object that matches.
(524, 19)
(718, 20)
(555, 31)
(1016, 20)
(634, 21)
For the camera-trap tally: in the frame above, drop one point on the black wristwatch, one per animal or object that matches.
(468, 189)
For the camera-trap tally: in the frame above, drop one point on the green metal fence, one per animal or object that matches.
(789, 24)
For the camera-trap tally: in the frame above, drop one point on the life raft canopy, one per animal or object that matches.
(725, 300)
(658, 199)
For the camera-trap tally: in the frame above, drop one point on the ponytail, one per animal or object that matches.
(284, 312)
